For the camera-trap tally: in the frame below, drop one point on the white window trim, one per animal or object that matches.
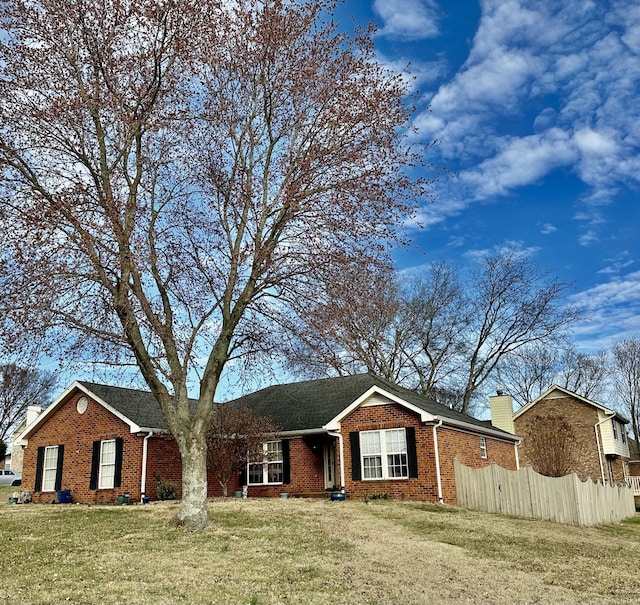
(384, 454)
(48, 470)
(104, 465)
(265, 465)
(483, 448)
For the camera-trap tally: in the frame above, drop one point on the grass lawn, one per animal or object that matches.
(269, 551)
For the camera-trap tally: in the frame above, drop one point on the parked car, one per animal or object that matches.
(10, 478)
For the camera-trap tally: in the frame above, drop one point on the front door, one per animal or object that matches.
(330, 481)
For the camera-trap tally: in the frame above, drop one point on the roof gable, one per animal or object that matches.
(558, 391)
(366, 397)
(138, 409)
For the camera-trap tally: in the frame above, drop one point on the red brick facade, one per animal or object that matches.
(452, 443)
(78, 432)
(582, 418)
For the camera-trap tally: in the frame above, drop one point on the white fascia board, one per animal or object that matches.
(334, 423)
(474, 428)
(24, 436)
(133, 427)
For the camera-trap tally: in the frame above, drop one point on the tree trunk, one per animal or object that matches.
(193, 514)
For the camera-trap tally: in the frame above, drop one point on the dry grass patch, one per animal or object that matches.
(271, 551)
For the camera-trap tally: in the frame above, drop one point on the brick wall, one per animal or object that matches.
(459, 445)
(582, 418)
(306, 459)
(451, 444)
(77, 432)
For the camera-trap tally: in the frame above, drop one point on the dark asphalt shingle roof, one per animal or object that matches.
(140, 407)
(312, 404)
(293, 407)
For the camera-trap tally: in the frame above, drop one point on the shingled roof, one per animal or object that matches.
(313, 404)
(295, 407)
(140, 407)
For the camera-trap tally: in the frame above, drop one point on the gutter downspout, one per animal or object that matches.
(595, 428)
(341, 444)
(437, 456)
(143, 474)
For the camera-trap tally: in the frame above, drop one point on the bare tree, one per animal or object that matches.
(435, 315)
(235, 438)
(20, 388)
(440, 334)
(584, 373)
(408, 331)
(175, 175)
(550, 446)
(513, 304)
(626, 366)
(530, 370)
(351, 327)
(527, 372)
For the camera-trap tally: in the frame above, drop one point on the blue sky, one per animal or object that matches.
(537, 110)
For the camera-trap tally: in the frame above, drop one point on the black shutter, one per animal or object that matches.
(58, 485)
(95, 464)
(243, 476)
(412, 454)
(286, 464)
(39, 465)
(117, 474)
(356, 472)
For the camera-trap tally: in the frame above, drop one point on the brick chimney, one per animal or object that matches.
(502, 412)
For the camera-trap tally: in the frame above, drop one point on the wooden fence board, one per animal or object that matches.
(525, 493)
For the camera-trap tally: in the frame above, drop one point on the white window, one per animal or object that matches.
(384, 454)
(483, 447)
(107, 464)
(270, 470)
(50, 468)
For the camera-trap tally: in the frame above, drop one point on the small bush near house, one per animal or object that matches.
(166, 489)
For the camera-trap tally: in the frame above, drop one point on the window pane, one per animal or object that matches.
(370, 443)
(396, 441)
(256, 473)
(49, 468)
(397, 465)
(274, 472)
(372, 467)
(274, 451)
(108, 455)
(107, 464)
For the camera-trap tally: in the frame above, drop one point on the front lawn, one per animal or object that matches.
(268, 551)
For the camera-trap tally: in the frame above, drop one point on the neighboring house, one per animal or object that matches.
(17, 454)
(598, 433)
(358, 434)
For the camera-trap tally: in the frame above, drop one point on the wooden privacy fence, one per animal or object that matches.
(525, 493)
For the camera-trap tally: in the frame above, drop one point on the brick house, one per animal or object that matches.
(599, 434)
(359, 434)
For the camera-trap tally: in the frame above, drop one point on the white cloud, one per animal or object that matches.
(521, 161)
(410, 19)
(577, 61)
(547, 228)
(612, 311)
